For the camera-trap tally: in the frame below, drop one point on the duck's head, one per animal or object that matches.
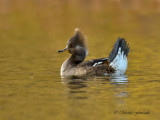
(76, 45)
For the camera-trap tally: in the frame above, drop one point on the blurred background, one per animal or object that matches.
(31, 31)
(46, 25)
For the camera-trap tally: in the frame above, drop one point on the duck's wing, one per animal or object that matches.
(93, 62)
(95, 67)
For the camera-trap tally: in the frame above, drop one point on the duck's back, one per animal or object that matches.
(95, 67)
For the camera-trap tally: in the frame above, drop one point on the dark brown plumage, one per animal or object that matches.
(75, 65)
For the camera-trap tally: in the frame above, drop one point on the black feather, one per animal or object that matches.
(121, 42)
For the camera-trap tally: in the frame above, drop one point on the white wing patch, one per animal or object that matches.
(119, 63)
(98, 63)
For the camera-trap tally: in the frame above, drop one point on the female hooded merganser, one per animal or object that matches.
(115, 64)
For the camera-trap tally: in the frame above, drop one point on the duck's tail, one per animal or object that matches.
(118, 56)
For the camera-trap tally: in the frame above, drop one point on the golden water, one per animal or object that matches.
(30, 84)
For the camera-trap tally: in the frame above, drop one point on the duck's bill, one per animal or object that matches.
(65, 49)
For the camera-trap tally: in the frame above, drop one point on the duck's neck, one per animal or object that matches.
(78, 57)
(72, 62)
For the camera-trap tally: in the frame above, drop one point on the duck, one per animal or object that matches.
(75, 66)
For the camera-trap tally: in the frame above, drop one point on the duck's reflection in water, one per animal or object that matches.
(119, 79)
(76, 87)
(119, 91)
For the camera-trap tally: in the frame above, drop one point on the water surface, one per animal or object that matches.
(30, 84)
